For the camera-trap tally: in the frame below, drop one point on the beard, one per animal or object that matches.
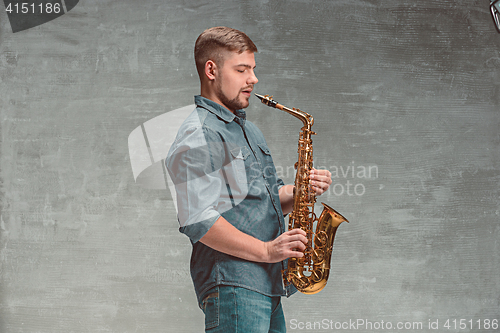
(231, 104)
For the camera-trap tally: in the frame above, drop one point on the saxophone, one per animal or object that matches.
(308, 274)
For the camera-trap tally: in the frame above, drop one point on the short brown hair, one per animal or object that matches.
(212, 43)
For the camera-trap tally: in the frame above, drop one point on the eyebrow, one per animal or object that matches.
(244, 65)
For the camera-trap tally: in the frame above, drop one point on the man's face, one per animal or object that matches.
(236, 80)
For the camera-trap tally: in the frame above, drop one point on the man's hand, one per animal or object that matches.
(320, 180)
(224, 237)
(320, 183)
(287, 245)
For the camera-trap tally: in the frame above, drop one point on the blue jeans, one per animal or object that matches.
(232, 309)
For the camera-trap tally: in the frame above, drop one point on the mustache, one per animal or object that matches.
(247, 88)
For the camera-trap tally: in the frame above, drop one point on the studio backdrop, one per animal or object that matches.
(406, 101)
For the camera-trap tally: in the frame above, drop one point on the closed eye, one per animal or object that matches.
(242, 68)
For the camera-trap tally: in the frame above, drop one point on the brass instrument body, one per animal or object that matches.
(310, 273)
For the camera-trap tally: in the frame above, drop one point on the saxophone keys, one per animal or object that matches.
(316, 276)
(320, 239)
(318, 257)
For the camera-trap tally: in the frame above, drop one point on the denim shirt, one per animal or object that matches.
(221, 166)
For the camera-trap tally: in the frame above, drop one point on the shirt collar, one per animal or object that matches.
(241, 113)
(218, 109)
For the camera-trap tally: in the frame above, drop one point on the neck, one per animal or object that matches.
(207, 90)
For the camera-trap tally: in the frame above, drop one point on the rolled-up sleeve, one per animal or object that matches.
(198, 182)
(205, 176)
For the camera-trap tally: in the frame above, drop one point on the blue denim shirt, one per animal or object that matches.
(221, 166)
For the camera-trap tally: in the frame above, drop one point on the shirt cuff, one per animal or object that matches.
(197, 230)
(281, 183)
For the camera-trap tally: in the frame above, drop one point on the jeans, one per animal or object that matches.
(231, 309)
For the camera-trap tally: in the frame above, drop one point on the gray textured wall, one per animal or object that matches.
(408, 90)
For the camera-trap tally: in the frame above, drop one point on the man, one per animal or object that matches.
(230, 202)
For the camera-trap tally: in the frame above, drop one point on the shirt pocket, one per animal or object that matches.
(240, 155)
(267, 161)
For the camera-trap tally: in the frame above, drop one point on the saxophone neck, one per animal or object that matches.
(305, 117)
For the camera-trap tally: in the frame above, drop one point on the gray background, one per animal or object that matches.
(411, 89)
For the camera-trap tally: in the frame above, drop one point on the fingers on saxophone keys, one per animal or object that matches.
(298, 246)
(319, 190)
(297, 231)
(297, 237)
(320, 176)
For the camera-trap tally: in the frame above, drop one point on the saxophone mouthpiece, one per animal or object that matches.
(268, 100)
(259, 96)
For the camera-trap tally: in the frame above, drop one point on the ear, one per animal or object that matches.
(210, 70)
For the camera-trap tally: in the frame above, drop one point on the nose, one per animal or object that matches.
(253, 78)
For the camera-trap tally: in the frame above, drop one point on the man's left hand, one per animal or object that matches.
(320, 180)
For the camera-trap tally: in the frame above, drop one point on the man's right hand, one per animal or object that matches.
(224, 237)
(287, 245)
